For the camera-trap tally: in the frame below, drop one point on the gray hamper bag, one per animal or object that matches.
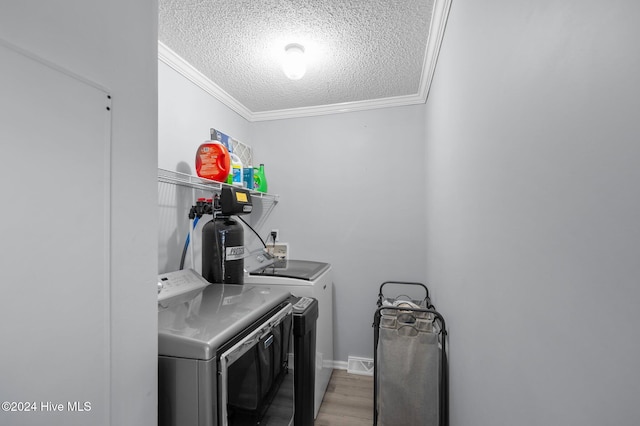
(409, 365)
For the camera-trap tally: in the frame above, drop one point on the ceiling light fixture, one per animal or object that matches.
(294, 64)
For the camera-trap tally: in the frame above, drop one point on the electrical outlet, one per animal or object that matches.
(279, 250)
(276, 235)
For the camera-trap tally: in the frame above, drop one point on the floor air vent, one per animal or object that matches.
(363, 366)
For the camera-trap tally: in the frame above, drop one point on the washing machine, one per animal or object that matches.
(303, 278)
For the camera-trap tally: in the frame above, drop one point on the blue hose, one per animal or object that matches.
(186, 243)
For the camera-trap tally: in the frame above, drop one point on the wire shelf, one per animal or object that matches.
(195, 182)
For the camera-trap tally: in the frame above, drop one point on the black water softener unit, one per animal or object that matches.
(223, 239)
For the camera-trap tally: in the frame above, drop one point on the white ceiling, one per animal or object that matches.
(361, 54)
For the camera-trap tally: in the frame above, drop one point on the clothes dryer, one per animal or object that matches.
(304, 278)
(222, 353)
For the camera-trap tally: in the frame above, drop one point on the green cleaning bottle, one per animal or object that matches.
(259, 179)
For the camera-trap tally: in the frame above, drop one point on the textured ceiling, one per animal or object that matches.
(357, 50)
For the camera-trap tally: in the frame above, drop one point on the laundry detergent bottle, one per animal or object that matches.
(259, 179)
(236, 173)
(213, 161)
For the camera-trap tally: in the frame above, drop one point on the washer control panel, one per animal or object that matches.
(176, 283)
(302, 304)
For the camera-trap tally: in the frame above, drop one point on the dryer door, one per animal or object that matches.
(256, 386)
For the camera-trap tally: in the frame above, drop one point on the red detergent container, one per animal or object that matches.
(213, 161)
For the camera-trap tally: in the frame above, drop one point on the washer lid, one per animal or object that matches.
(300, 269)
(195, 328)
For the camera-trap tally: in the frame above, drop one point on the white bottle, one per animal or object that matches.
(236, 170)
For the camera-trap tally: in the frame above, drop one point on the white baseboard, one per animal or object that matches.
(340, 365)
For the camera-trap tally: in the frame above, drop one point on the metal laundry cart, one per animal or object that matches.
(410, 362)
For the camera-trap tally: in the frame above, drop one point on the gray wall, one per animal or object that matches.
(532, 210)
(185, 115)
(351, 188)
(115, 45)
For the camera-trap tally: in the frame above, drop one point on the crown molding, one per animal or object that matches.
(338, 108)
(436, 32)
(184, 68)
(434, 42)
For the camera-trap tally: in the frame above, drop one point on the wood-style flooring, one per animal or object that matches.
(348, 401)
